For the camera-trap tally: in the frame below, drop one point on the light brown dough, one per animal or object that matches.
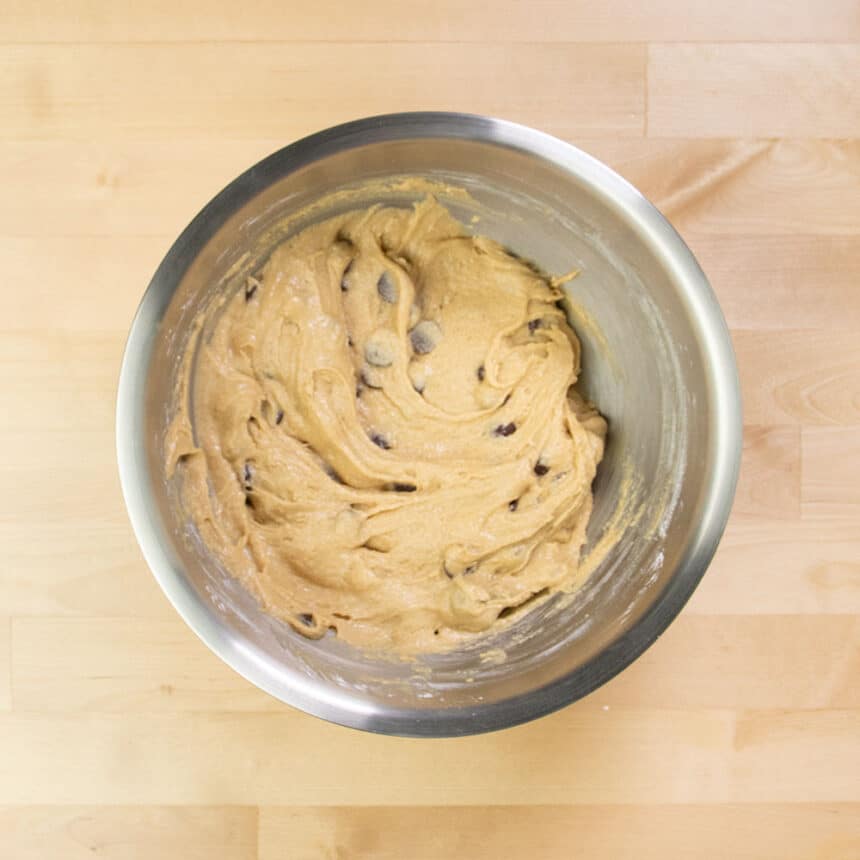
(385, 436)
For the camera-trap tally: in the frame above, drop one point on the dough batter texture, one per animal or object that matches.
(383, 437)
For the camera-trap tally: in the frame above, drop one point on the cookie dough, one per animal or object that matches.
(383, 437)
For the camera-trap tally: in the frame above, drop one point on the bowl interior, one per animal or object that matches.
(648, 363)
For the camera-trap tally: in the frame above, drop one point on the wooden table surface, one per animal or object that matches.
(736, 736)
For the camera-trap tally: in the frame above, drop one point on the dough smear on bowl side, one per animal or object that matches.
(386, 437)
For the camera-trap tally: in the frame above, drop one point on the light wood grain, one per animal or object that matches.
(129, 833)
(831, 475)
(748, 187)
(754, 90)
(123, 664)
(647, 832)
(291, 88)
(799, 377)
(734, 736)
(111, 580)
(444, 20)
(623, 755)
(5, 664)
(794, 281)
(774, 567)
(769, 484)
(74, 376)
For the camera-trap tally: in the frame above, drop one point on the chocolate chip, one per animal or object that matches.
(349, 340)
(507, 398)
(248, 476)
(386, 288)
(425, 337)
(481, 373)
(466, 571)
(541, 468)
(378, 354)
(379, 440)
(369, 379)
(505, 429)
(513, 505)
(403, 488)
(249, 502)
(332, 474)
(307, 619)
(534, 325)
(279, 417)
(251, 288)
(344, 282)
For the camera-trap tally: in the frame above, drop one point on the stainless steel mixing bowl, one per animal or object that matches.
(657, 360)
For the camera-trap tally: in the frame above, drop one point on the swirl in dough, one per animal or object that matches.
(386, 436)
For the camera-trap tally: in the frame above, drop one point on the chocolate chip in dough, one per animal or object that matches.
(387, 288)
(279, 417)
(470, 569)
(344, 279)
(248, 476)
(399, 487)
(505, 429)
(251, 286)
(513, 505)
(541, 468)
(534, 325)
(378, 354)
(425, 337)
(307, 619)
(380, 441)
(481, 373)
(369, 378)
(329, 470)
